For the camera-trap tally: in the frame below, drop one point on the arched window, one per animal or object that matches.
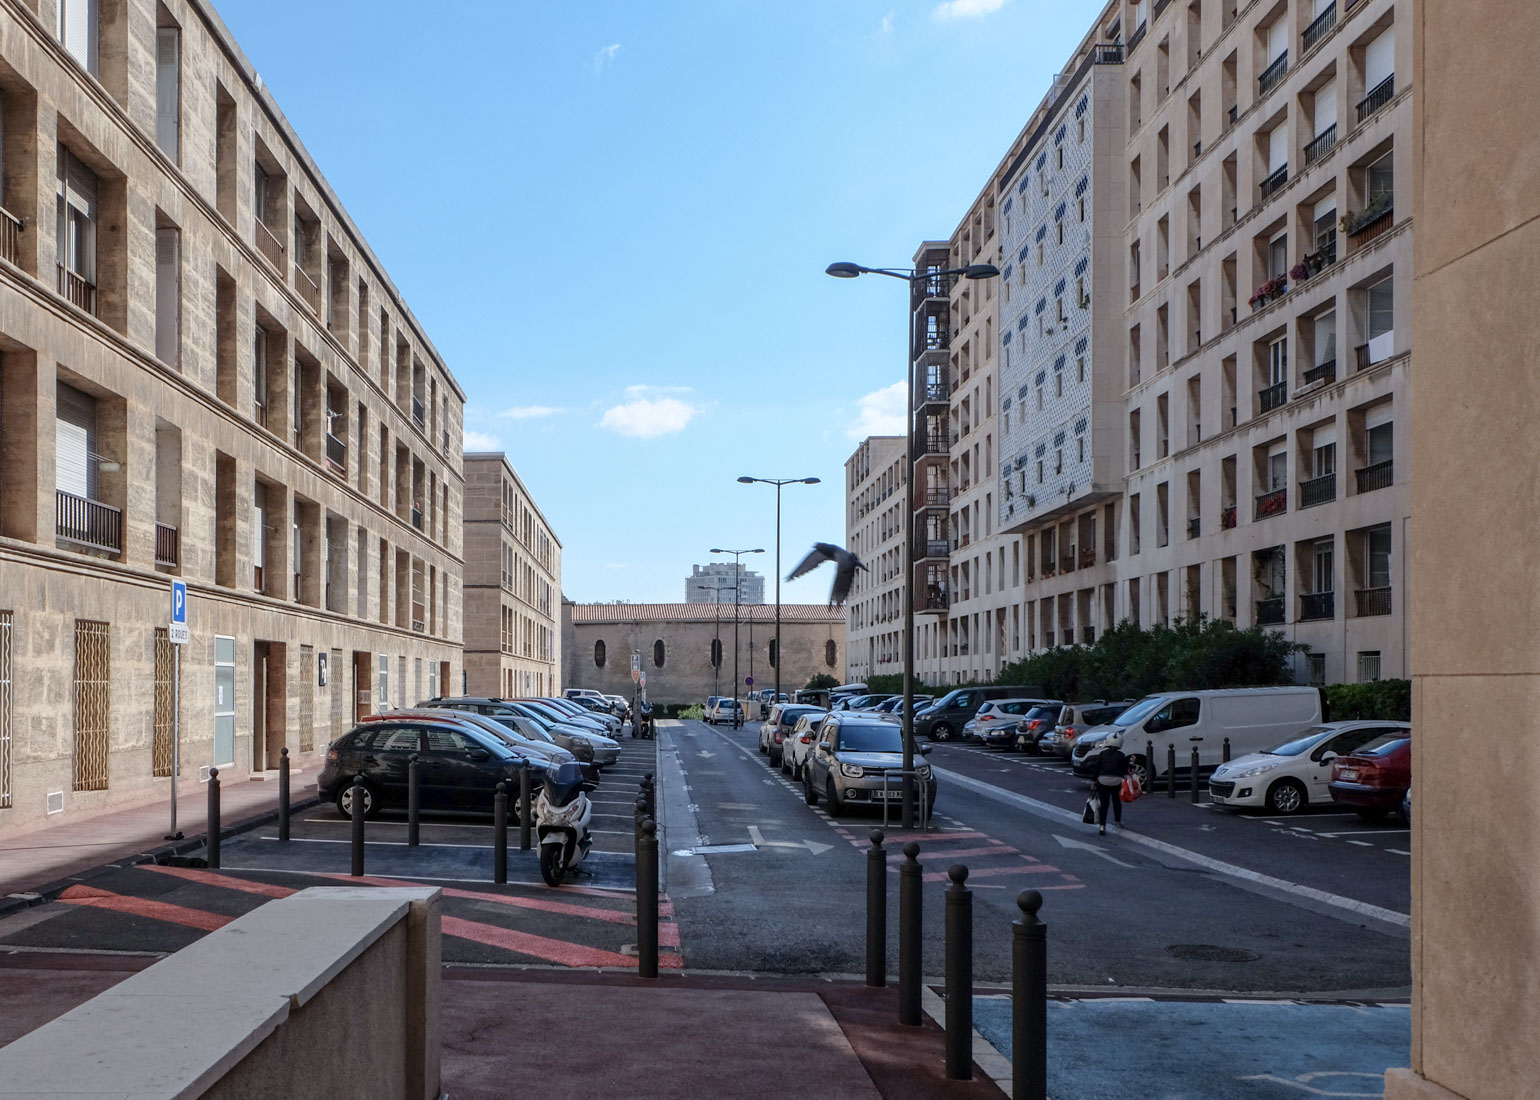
(830, 653)
(657, 653)
(774, 653)
(716, 653)
(599, 653)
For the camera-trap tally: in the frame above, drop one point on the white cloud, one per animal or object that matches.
(481, 441)
(605, 56)
(647, 419)
(966, 9)
(881, 413)
(528, 412)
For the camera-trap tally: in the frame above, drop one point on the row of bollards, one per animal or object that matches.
(1029, 965)
(1149, 756)
(647, 879)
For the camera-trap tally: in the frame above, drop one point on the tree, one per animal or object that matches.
(821, 682)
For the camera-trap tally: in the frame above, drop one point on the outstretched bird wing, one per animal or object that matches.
(820, 553)
(844, 577)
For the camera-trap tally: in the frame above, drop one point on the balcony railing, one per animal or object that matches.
(1067, 563)
(417, 517)
(1324, 143)
(1133, 44)
(935, 339)
(1366, 229)
(1381, 475)
(1194, 527)
(1274, 183)
(1160, 6)
(1317, 605)
(1318, 490)
(1274, 503)
(1326, 372)
(1227, 518)
(308, 289)
(1087, 557)
(267, 244)
(1048, 636)
(419, 613)
(336, 453)
(936, 497)
(1274, 396)
(936, 601)
(1381, 94)
(418, 410)
(76, 290)
(1273, 74)
(934, 445)
(88, 522)
(932, 548)
(167, 544)
(1320, 28)
(10, 236)
(1270, 612)
(1373, 601)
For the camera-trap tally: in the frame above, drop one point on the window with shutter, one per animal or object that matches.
(168, 63)
(77, 31)
(76, 443)
(76, 216)
(167, 296)
(1380, 60)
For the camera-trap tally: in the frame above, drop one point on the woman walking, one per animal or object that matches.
(1111, 768)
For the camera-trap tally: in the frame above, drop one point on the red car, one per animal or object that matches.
(1374, 779)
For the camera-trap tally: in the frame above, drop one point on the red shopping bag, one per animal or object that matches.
(1131, 789)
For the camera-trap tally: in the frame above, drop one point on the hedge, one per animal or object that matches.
(1385, 700)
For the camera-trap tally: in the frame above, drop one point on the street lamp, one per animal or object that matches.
(716, 616)
(737, 602)
(778, 482)
(844, 270)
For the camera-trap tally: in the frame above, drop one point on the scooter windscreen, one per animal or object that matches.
(563, 782)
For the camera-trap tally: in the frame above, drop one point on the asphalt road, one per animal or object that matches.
(1190, 898)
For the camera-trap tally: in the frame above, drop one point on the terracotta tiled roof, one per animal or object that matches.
(703, 612)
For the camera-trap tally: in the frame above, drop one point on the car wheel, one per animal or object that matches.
(1286, 796)
(941, 731)
(775, 758)
(345, 802)
(808, 794)
(1139, 770)
(1404, 813)
(1366, 814)
(762, 750)
(836, 807)
(785, 763)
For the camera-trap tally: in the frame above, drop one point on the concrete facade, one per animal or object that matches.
(512, 585)
(874, 532)
(675, 643)
(193, 388)
(716, 581)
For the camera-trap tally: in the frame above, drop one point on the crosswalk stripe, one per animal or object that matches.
(145, 907)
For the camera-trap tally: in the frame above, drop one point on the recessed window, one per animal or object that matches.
(830, 653)
(658, 653)
(599, 654)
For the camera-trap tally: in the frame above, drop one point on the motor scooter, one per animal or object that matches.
(642, 725)
(562, 814)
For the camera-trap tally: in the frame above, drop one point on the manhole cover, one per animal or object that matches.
(1210, 952)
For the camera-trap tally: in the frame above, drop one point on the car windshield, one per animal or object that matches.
(1301, 744)
(873, 738)
(1040, 712)
(1140, 711)
(1387, 742)
(790, 715)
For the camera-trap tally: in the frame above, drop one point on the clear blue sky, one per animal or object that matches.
(612, 218)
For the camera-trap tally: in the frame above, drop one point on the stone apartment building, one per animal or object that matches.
(512, 585)
(1184, 398)
(874, 532)
(205, 374)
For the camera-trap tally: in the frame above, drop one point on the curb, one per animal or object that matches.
(41, 895)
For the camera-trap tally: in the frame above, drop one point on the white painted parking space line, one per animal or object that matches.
(1366, 832)
(1361, 843)
(1397, 852)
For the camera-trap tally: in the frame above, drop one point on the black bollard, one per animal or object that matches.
(358, 826)
(640, 816)
(1149, 765)
(1029, 1000)
(876, 912)
(647, 901)
(1170, 771)
(910, 882)
(959, 976)
(284, 794)
(413, 800)
(1194, 777)
(526, 813)
(500, 834)
(213, 838)
(1227, 751)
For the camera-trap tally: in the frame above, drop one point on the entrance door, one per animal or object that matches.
(269, 704)
(259, 707)
(363, 685)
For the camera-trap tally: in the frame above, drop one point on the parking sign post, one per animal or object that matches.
(177, 633)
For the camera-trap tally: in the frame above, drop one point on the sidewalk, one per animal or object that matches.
(40, 862)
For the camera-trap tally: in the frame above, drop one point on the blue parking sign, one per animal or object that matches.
(178, 632)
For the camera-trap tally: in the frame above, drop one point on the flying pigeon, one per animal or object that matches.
(845, 564)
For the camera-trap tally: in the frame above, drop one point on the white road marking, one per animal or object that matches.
(1366, 832)
(1093, 849)
(1397, 852)
(1361, 843)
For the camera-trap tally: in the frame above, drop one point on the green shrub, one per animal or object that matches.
(1384, 700)
(821, 682)
(694, 710)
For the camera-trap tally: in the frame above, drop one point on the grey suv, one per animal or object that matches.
(849, 761)
(1075, 719)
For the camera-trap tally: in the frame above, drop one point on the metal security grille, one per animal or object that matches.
(93, 678)
(6, 700)
(339, 690)
(306, 698)
(165, 706)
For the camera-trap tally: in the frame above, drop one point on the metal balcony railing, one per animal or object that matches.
(88, 522)
(1324, 143)
(1274, 182)
(1227, 518)
(336, 453)
(1274, 503)
(1325, 372)
(932, 548)
(10, 236)
(1318, 490)
(1088, 635)
(267, 244)
(1381, 475)
(1273, 74)
(1317, 605)
(1320, 28)
(1366, 229)
(1373, 601)
(419, 613)
(935, 601)
(76, 290)
(418, 410)
(1087, 556)
(1133, 44)
(167, 544)
(1067, 563)
(1381, 94)
(1270, 611)
(417, 517)
(308, 289)
(936, 498)
(1274, 396)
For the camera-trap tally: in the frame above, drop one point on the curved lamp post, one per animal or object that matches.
(778, 482)
(737, 602)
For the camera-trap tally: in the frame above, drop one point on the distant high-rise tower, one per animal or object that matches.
(715, 582)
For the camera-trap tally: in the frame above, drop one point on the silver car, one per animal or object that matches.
(849, 762)
(798, 743)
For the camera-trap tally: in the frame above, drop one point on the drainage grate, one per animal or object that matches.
(1208, 952)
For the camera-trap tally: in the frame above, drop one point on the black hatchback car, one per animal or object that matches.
(459, 766)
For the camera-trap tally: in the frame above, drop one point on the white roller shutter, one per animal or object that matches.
(168, 53)
(1382, 413)
(1277, 38)
(76, 442)
(1278, 147)
(167, 295)
(77, 30)
(1326, 208)
(259, 528)
(1380, 60)
(1325, 107)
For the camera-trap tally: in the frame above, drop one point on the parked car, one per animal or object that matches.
(1375, 779)
(521, 734)
(620, 706)
(608, 723)
(942, 720)
(461, 765)
(1252, 719)
(774, 730)
(1075, 718)
(1405, 810)
(711, 701)
(994, 726)
(588, 745)
(724, 710)
(579, 693)
(798, 743)
(577, 717)
(1035, 724)
(847, 764)
(1288, 777)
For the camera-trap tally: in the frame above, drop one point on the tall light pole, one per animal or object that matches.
(737, 602)
(778, 482)
(716, 617)
(912, 277)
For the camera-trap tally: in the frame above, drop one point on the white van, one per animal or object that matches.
(1253, 719)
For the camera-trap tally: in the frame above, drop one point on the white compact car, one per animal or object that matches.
(1286, 779)
(799, 743)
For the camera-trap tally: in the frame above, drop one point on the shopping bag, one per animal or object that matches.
(1089, 817)
(1131, 789)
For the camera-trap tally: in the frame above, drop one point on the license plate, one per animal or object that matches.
(887, 794)
(1216, 799)
(1348, 773)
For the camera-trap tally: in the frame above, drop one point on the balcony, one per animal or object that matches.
(1325, 372)
(167, 545)
(1133, 44)
(1273, 397)
(935, 601)
(1373, 222)
(1381, 94)
(935, 339)
(75, 290)
(417, 516)
(1160, 6)
(931, 548)
(934, 445)
(1227, 518)
(10, 236)
(1274, 183)
(1373, 601)
(267, 244)
(1273, 74)
(1324, 143)
(308, 289)
(1317, 605)
(1067, 564)
(1274, 503)
(1381, 475)
(1194, 527)
(1087, 557)
(1270, 612)
(419, 613)
(88, 522)
(419, 412)
(1318, 490)
(1320, 28)
(336, 454)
